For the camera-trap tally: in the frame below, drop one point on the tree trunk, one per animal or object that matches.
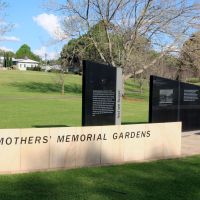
(62, 84)
(141, 88)
(63, 88)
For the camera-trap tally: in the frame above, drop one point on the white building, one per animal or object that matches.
(23, 64)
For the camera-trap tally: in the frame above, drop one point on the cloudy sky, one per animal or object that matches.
(34, 26)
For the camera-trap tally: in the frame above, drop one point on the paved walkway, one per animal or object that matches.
(190, 143)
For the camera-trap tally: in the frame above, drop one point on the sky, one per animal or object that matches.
(34, 26)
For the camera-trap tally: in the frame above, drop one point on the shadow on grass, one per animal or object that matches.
(132, 84)
(168, 179)
(47, 87)
(49, 126)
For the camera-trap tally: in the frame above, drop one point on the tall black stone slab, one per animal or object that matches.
(101, 94)
(163, 101)
(171, 101)
(190, 106)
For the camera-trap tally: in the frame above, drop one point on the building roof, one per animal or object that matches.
(25, 61)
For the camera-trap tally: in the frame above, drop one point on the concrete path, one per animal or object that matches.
(190, 143)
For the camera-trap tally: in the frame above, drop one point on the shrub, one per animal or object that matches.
(38, 68)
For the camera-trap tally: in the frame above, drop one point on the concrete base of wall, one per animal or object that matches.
(29, 150)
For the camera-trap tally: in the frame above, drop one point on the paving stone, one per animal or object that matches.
(190, 143)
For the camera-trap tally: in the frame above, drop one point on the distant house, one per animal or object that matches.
(23, 64)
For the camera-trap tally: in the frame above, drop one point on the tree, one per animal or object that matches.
(10, 62)
(25, 51)
(82, 49)
(190, 55)
(11, 54)
(165, 23)
(7, 60)
(4, 26)
(4, 60)
(72, 53)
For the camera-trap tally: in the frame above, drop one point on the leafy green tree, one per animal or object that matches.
(25, 51)
(84, 48)
(7, 60)
(4, 60)
(10, 62)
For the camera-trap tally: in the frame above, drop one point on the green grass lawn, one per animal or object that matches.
(33, 99)
(160, 180)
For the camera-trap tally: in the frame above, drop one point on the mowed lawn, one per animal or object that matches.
(177, 179)
(33, 99)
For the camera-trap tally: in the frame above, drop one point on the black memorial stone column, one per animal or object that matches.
(190, 106)
(171, 101)
(101, 94)
(163, 100)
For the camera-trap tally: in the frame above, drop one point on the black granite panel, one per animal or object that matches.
(172, 101)
(98, 94)
(190, 106)
(163, 105)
